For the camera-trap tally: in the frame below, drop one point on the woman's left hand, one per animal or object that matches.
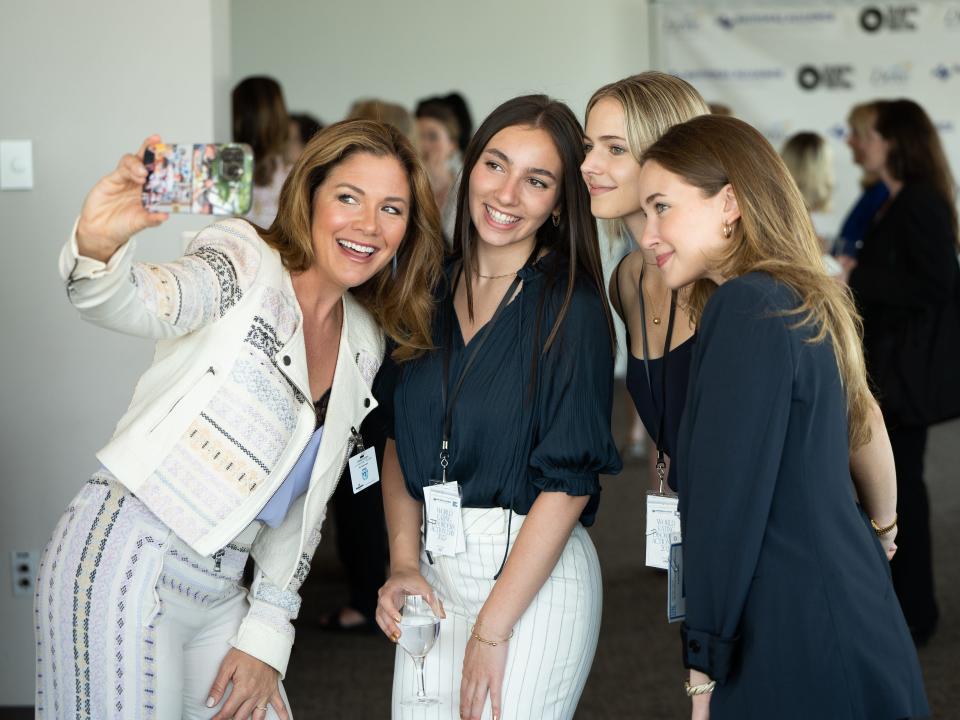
(255, 685)
(483, 670)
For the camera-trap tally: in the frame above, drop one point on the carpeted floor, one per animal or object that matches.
(637, 671)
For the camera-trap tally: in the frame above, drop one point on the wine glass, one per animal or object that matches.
(419, 629)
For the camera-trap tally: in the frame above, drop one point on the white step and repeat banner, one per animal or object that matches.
(787, 68)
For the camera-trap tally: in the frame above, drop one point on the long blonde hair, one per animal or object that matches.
(652, 102)
(774, 235)
(403, 305)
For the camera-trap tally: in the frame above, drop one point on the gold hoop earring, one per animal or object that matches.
(556, 220)
(727, 230)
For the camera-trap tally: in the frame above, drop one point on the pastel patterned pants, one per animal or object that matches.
(131, 623)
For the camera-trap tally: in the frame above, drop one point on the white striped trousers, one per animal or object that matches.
(554, 642)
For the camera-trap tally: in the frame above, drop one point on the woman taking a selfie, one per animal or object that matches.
(521, 426)
(790, 611)
(237, 433)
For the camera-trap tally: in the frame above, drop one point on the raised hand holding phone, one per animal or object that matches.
(112, 211)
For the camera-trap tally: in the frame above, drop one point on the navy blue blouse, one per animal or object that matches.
(518, 429)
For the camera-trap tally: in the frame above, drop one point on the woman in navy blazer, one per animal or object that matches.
(790, 608)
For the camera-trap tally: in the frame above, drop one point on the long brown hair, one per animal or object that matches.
(260, 119)
(402, 305)
(774, 235)
(916, 154)
(575, 235)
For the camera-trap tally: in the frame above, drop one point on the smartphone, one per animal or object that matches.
(208, 179)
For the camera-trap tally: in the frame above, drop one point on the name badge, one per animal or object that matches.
(363, 470)
(444, 530)
(663, 519)
(676, 597)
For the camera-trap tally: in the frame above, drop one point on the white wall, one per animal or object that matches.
(326, 54)
(86, 82)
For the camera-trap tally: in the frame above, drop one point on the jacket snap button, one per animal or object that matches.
(366, 402)
(694, 645)
(286, 359)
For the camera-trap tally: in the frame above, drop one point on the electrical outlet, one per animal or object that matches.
(23, 571)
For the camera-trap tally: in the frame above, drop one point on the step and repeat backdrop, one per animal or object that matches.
(788, 68)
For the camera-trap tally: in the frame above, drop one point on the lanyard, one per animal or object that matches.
(661, 463)
(475, 345)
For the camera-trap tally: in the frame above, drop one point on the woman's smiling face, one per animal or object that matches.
(515, 185)
(611, 172)
(684, 229)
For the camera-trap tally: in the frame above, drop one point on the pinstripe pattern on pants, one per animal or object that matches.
(554, 641)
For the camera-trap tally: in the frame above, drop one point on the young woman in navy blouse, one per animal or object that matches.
(790, 610)
(530, 431)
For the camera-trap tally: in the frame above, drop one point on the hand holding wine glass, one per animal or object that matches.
(419, 629)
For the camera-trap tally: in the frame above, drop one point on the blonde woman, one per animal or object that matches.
(790, 611)
(267, 345)
(809, 161)
(874, 192)
(623, 119)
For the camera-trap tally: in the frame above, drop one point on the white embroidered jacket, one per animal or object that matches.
(223, 413)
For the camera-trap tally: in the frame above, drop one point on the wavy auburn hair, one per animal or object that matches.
(774, 235)
(403, 305)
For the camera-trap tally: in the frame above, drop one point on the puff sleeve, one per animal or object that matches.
(573, 443)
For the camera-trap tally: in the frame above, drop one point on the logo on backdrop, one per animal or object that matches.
(768, 18)
(679, 24)
(830, 77)
(875, 18)
(945, 71)
(729, 75)
(886, 75)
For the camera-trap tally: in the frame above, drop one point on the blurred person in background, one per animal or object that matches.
(386, 112)
(438, 140)
(303, 126)
(873, 196)
(906, 283)
(808, 158)
(260, 119)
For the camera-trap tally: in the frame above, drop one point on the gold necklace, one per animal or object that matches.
(657, 314)
(497, 277)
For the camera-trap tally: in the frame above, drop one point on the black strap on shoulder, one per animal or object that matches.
(661, 462)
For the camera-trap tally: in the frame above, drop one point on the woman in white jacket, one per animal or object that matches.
(236, 434)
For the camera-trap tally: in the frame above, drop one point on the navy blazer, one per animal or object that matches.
(790, 606)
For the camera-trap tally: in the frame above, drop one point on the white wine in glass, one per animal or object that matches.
(419, 629)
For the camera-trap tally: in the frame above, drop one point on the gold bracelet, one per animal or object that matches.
(492, 643)
(704, 689)
(881, 531)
